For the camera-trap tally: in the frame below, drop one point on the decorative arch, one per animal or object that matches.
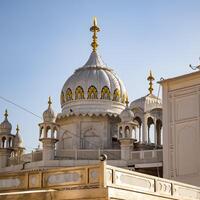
(105, 93)
(138, 133)
(92, 92)
(48, 132)
(69, 94)
(62, 98)
(55, 133)
(150, 125)
(116, 95)
(4, 142)
(10, 142)
(127, 132)
(79, 93)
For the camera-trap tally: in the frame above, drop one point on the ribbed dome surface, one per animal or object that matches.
(94, 82)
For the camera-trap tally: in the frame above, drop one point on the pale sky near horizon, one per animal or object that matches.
(42, 42)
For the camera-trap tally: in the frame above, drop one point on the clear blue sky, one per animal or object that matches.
(42, 43)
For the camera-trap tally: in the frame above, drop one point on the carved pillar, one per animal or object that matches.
(155, 134)
(140, 134)
(4, 156)
(126, 148)
(48, 152)
(144, 131)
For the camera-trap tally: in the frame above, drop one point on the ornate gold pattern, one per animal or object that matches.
(69, 94)
(105, 93)
(116, 95)
(94, 29)
(62, 98)
(79, 93)
(92, 93)
(150, 79)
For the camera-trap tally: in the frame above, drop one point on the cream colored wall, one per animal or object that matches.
(85, 132)
(181, 131)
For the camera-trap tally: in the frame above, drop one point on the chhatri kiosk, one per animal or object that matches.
(95, 147)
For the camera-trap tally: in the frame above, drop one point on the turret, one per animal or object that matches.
(126, 132)
(48, 133)
(18, 147)
(6, 141)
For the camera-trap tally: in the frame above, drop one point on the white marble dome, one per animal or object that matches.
(93, 89)
(5, 126)
(126, 115)
(48, 115)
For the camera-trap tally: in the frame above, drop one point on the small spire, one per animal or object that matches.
(150, 79)
(17, 129)
(94, 29)
(127, 102)
(6, 114)
(49, 101)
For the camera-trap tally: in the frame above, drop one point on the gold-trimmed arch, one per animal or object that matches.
(79, 93)
(105, 93)
(69, 95)
(116, 95)
(92, 92)
(62, 98)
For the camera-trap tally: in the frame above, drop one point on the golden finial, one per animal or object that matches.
(94, 29)
(6, 114)
(17, 129)
(150, 79)
(49, 101)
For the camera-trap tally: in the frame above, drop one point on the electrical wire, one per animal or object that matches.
(32, 113)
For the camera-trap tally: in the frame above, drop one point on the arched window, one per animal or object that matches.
(4, 142)
(10, 142)
(79, 93)
(127, 132)
(48, 132)
(116, 95)
(105, 93)
(62, 98)
(55, 133)
(92, 92)
(138, 130)
(150, 124)
(69, 94)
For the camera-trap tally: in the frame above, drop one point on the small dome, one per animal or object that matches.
(5, 126)
(48, 115)
(18, 142)
(126, 115)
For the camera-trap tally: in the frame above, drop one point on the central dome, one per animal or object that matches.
(93, 88)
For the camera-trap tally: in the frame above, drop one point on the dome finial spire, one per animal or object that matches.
(17, 129)
(150, 79)
(6, 114)
(94, 29)
(49, 101)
